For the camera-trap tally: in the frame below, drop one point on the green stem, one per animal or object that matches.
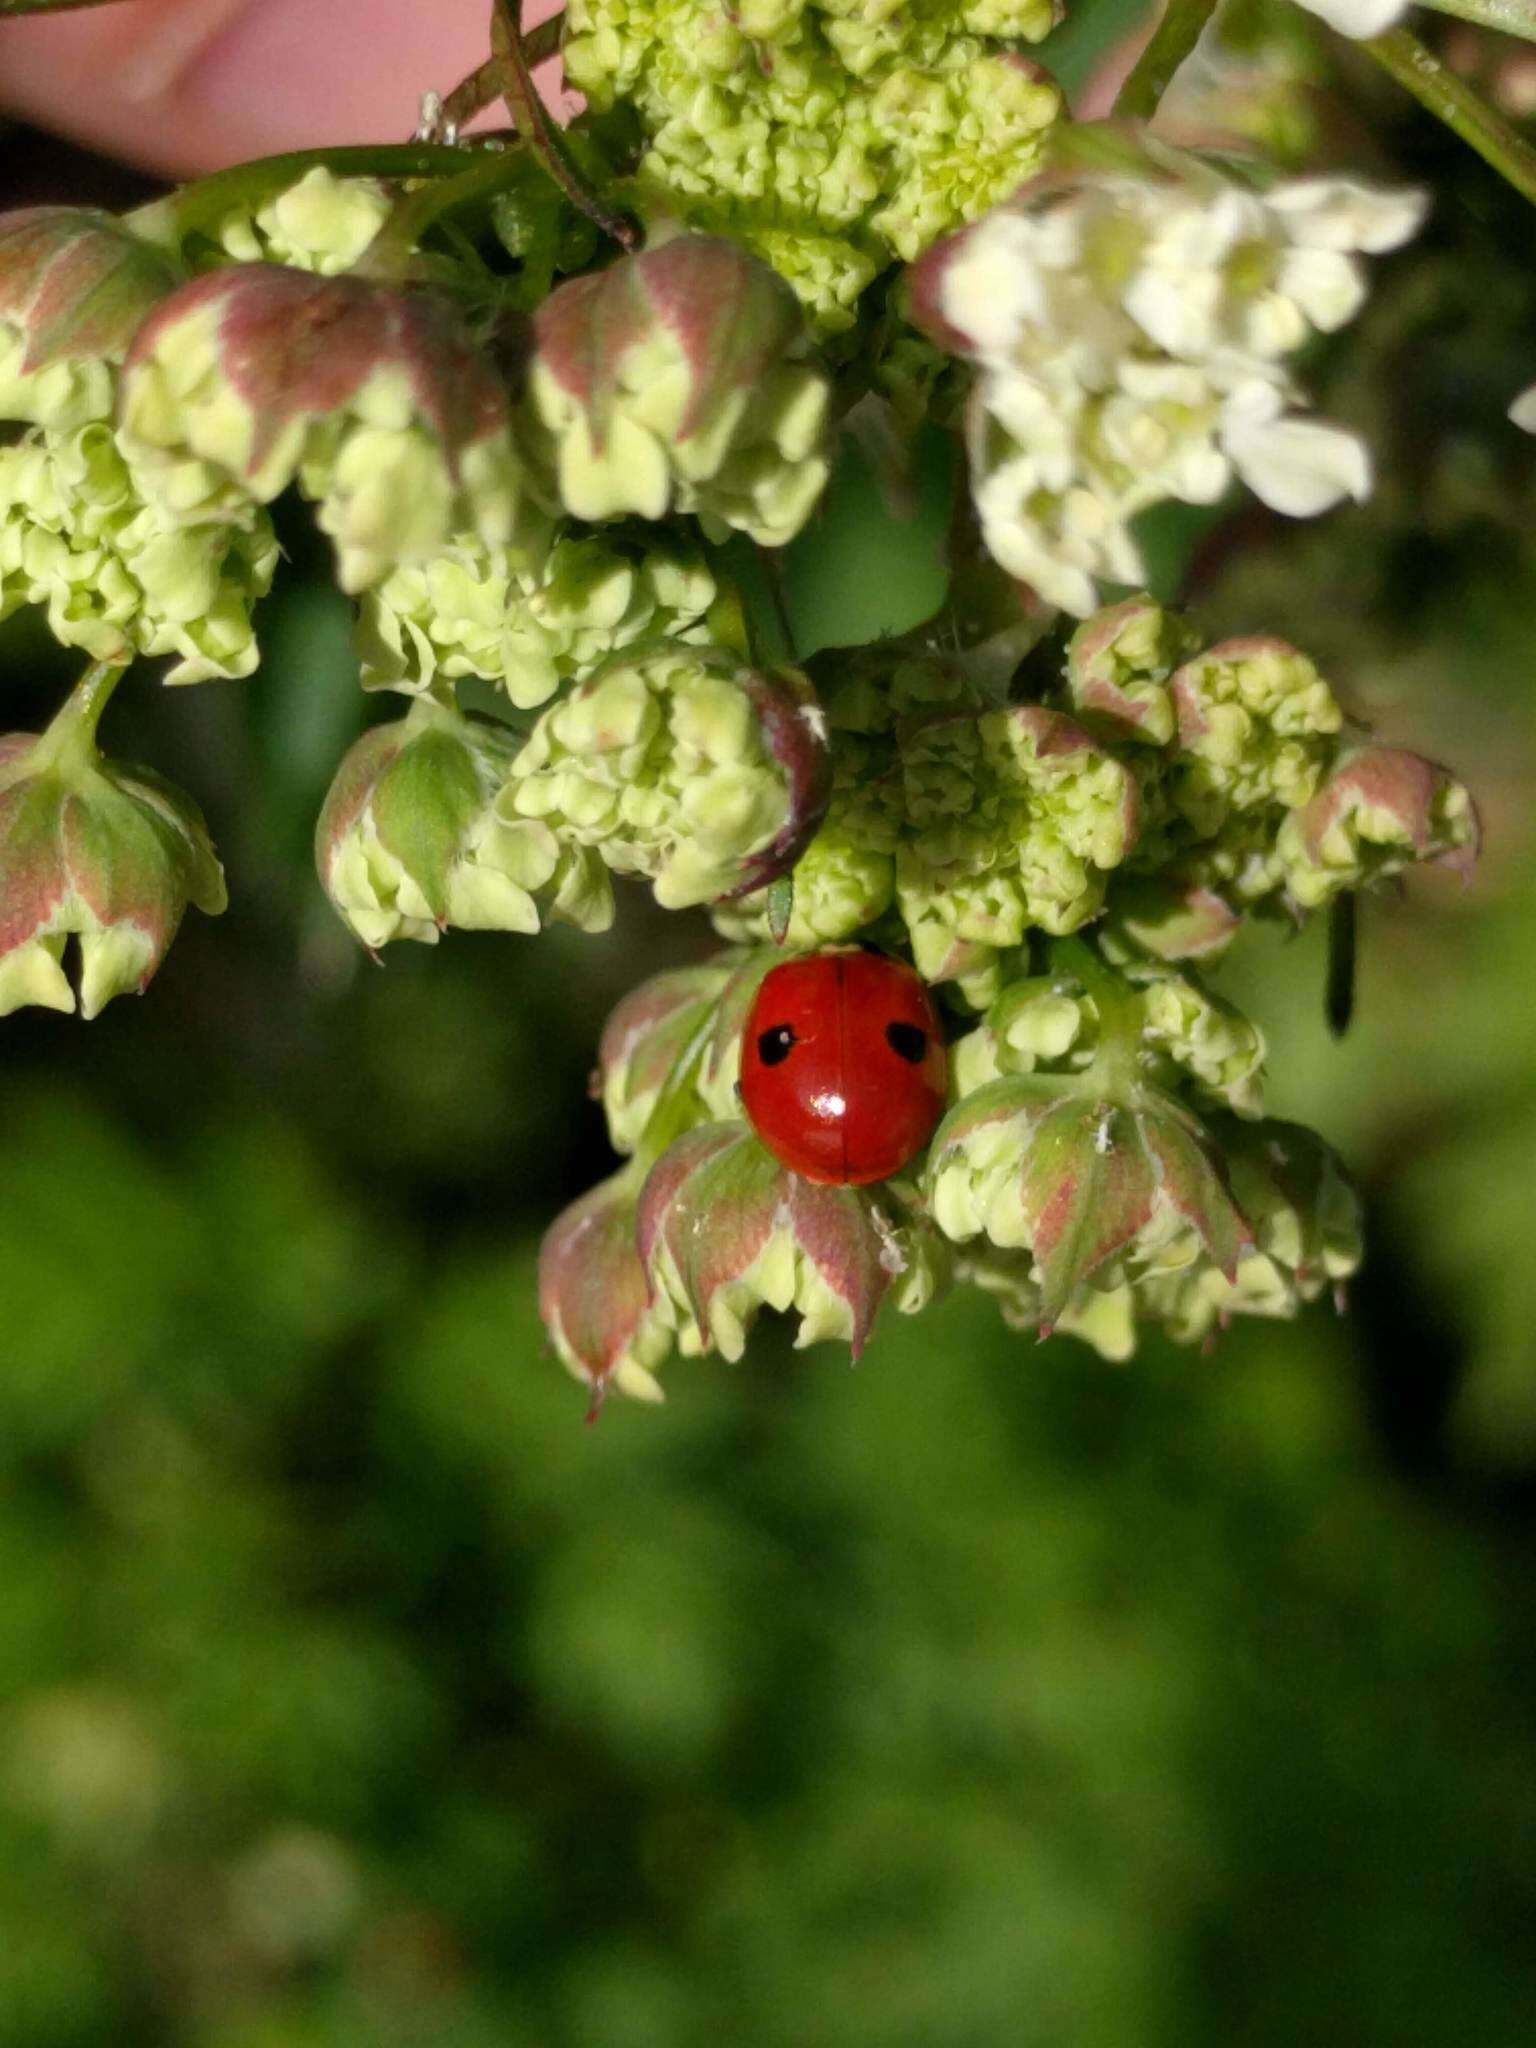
(389, 254)
(1174, 37)
(1510, 17)
(1462, 110)
(676, 1107)
(541, 132)
(71, 736)
(204, 202)
(1116, 1067)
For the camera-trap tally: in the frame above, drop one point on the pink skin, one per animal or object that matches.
(183, 86)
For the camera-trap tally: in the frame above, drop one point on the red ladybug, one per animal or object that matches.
(842, 1066)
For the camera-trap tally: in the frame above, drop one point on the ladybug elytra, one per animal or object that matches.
(843, 1069)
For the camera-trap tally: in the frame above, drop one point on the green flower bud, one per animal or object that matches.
(1256, 727)
(74, 287)
(478, 611)
(374, 399)
(675, 380)
(409, 840)
(321, 224)
(1010, 821)
(1380, 810)
(658, 1028)
(703, 776)
(1118, 669)
(1092, 1188)
(116, 576)
(724, 1231)
(595, 1300)
(95, 850)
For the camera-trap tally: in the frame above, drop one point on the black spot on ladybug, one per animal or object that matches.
(776, 1045)
(907, 1041)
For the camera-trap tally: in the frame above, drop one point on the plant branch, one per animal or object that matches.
(389, 254)
(10, 7)
(541, 132)
(204, 202)
(1174, 37)
(1462, 110)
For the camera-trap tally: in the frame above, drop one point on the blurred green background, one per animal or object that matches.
(352, 1693)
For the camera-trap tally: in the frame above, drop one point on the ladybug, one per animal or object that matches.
(843, 1070)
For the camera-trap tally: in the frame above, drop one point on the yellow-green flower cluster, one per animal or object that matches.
(1181, 1036)
(321, 223)
(683, 766)
(531, 625)
(834, 136)
(117, 577)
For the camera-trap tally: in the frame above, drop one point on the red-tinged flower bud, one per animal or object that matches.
(97, 851)
(1380, 810)
(660, 1029)
(595, 1299)
(1092, 1188)
(677, 380)
(1118, 667)
(724, 1231)
(75, 285)
(1170, 919)
(375, 399)
(409, 843)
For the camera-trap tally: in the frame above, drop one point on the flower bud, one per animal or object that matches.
(1169, 918)
(375, 399)
(74, 287)
(1306, 1225)
(1380, 810)
(706, 777)
(1010, 821)
(724, 1230)
(488, 612)
(1093, 1189)
(648, 1039)
(676, 380)
(409, 840)
(321, 224)
(117, 577)
(594, 1297)
(1256, 726)
(1118, 666)
(95, 850)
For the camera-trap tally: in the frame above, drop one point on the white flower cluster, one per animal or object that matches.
(1131, 335)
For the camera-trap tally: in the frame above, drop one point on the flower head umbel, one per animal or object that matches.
(682, 765)
(1130, 328)
(410, 841)
(74, 287)
(832, 136)
(374, 399)
(94, 851)
(678, 380)
(531, 626)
